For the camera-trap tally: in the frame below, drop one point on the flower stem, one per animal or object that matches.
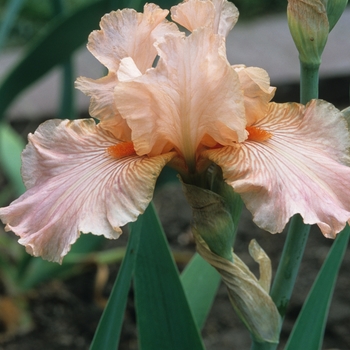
(298, 232)
(308, 82)
(289, 264)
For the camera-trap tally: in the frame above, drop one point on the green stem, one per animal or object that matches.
(289, 264)
(308, 82)
(298, 232)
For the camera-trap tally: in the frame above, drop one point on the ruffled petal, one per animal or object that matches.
(257, 91)
(300, 169)
(194, 14)
(127, 33)
(102, 104)
(124, 34)
(226, 16)
(219, 15)
(75, 186)
(191, 93)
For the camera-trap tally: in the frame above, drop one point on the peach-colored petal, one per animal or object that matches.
(219, 15)
(127, 33)
(257, 91)
(194, 14)
(102, 105)
(192, 92)
(226, 16)
(101, 92)
(300, 169)
(75, 186)
(124, 34)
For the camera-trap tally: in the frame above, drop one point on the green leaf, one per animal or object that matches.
(163, 314)
(11, 147)
(33, 271)
(109, 328)
(54, 46)
(200, 282)
(309, 328)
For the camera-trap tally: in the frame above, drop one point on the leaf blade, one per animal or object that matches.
(164, 317)
(45, 53)
(109, 328)
(310, 325)
(200, 282)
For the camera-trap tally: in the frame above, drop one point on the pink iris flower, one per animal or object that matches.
(171, 98)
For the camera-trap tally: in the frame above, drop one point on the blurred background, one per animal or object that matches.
(43, 51)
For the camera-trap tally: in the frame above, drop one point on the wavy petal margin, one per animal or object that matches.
(257, 91)
(191, 93)
(219, 15)
(124, 33)
(75, 186)
(127, 33)
(102, 105)
(300, 169)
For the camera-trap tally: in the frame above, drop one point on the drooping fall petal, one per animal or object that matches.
(219, 15)
(191, 93)
(301, 168)
(75, 186)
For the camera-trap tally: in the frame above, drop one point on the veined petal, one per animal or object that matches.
(75, 186)
(257, 91)
(191, 93)
(127, 33)
(300, 169)
(219, 15)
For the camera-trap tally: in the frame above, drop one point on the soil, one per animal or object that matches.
(65, 313)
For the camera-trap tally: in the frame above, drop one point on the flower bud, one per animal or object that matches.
(248, 296)
(211, 219)
(213, 229)
(309, 26)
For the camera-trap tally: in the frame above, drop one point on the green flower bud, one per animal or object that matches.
(213, 229)
(309, 26)
(248, 296)
(211, 219)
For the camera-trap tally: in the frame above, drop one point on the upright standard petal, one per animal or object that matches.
(193, 92)
(257, 91)
(75, 186)
(219, 15)
(301, 168)
(124, 33)
(102, 105)
(127, 33)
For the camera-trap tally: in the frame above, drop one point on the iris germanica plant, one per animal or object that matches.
(189, 110)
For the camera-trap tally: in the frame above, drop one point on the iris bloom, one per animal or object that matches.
(171, 98)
